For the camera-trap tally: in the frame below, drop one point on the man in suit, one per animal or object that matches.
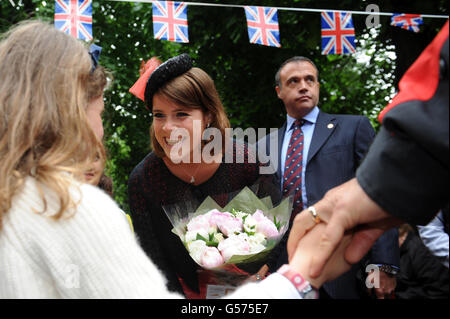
(321, 153)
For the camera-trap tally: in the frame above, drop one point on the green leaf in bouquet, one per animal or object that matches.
(234, 212)
(246, 201)
(200, 237)
(210, 241)
(277, 222)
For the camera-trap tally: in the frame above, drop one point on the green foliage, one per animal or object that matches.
(210, 241)
(243, 72)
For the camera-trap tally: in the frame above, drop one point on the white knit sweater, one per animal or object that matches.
(92, 254)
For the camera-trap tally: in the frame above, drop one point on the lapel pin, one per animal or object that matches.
(330, 126)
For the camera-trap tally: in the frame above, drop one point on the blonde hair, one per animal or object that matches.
(194, 89)
(44, 130)
(98, 80)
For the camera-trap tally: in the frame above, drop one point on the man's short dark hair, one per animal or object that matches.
(294, 59)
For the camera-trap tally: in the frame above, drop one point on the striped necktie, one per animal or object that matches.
(292, 178)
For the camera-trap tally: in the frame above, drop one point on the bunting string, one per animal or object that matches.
(289, 8)
(170, 22)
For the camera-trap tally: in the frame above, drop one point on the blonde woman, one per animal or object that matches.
(59, 236)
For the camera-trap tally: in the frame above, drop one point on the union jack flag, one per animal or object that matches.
(170, 21)
(262, 25)
(74, 17)
(405, 21)
(338, 33)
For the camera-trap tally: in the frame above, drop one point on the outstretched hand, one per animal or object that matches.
(343, 209)
(301, 259)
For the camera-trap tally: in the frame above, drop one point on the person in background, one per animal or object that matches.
(422, 275)
(404, 177)
(100, 78)
(318, 151)
(435, 235)
(94, 111)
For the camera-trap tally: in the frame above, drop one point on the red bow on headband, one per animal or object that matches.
(138, 88)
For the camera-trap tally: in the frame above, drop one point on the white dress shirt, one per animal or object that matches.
(435, 238)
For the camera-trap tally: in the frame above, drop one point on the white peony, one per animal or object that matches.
(196, 249)
(192, 235)
(250, 224)
(218, 237)
(257, 238)
(256, 248)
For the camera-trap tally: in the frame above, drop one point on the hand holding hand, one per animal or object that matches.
(306, 249)
(344, 208)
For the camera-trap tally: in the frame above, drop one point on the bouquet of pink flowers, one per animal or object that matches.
(242, 232)
(214, 238)
(230, 242)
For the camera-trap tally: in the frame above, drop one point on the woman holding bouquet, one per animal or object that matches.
(182, 98)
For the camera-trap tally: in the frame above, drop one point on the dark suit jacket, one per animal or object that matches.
(338, 145)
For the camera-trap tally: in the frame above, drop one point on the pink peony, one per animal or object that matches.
(211, 258)
(267, 228)
(198, 223)
(265, 225)
(202, 224)
(234, 245)
(227, 223)
(259, 215)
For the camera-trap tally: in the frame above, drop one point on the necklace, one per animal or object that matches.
(192, 181)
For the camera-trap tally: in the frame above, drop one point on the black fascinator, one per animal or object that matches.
(167, 71)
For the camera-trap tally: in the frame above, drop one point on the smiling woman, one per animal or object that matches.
(184, 102)
(174, 125)
(192, 94)
(182, 108)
